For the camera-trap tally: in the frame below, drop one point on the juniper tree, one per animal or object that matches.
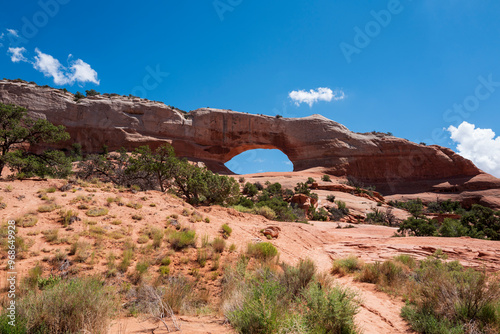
(18, 132)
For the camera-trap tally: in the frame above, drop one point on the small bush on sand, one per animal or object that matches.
(268, 301)
(263, 250)
(69, 306)
(346, 265)
(28, 220)
(97, 212)
(451, 298)
(182, 239)
(226, 231)
(128, 255)
(47, 208)
(218, 245)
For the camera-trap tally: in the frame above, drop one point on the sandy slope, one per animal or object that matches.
(320, 241)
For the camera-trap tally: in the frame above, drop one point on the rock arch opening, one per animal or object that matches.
(260, 161)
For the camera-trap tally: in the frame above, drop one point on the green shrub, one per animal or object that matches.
(179, 294)
(452, 228)
(165, 261)
(414, 206)
(28, 220)
(318, 215)
(425, 322)
(447, 206)
(261, 309)
(52, 236)
(219, 245)
(418, 227)
(266, 212)
(48, 208)
(326, 178)
(332, 311)
(263, 250)
(142, 267)
(202, 257)
(78, 96)
(82, 251)
(128, 255)
(376, 217)
(226, 230)
(250, 189)
(136, 206)
(346, 265)
(296, 278)
(97, 212)
(20, 131)
(182, 239)
(164, 270)
(68, 217)
(68, 306)
(330, 198)
(293, 301)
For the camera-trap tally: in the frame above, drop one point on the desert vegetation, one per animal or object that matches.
(18, 131)
(441, 296)
(119, 235)
(270, 297)
(475, 222)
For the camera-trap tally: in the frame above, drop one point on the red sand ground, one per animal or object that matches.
(320, 241)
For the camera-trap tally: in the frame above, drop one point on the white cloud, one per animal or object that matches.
(78, 70)
(13, 32)
(478, 145)
(259, 160)
(17, 54)
(82, 72)
(50, 67)
(312, 96)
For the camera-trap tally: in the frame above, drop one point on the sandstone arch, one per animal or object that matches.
(214, 136)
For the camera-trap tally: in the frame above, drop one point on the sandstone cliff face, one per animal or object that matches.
(214, 136)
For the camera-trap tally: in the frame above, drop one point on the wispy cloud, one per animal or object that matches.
(314, 95)
(287, 162)
(259, 160)
(13, 32)
(77, 71)
(16, 54)
(479, 145)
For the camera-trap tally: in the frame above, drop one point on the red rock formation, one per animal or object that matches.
(215, 136)
(304, 202)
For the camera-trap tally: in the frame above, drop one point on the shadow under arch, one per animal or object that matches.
(259, 160)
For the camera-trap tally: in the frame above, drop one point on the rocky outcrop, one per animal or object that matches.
(371, 195)
(304, 202)
(214, 136)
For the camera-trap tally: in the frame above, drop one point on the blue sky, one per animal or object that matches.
(404, 67)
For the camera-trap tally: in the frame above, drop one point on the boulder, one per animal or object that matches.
(272, 231)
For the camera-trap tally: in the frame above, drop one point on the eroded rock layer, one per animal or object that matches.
(214, 136)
